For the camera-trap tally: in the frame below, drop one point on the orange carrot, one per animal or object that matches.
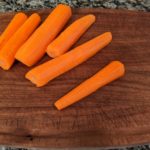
(42, 74)
(68, 37)
(13, 26)
(108, 74)
(7, 53)
(36, 45)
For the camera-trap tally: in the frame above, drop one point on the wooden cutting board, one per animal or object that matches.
(116, 115)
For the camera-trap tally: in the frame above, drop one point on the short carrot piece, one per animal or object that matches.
(12, 27)
(69, 36)
(35, 47)
(7, 53)
(42, 74)
(111, 72)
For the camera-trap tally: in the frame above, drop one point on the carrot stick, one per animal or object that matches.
(7, 53)
(36, 45)
(42, 74)
(68, 37)
(13, 26)
(111, 72)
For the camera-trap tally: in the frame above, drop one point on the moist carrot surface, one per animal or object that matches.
(108, 74)
(35, 47)
(12, 27)
(7, 53)
(42, 74)
(69, 36)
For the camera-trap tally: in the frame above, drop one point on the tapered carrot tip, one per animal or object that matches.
(63, 6)
(33, 79)
(111, 72)
(108, 35)
(4, 64)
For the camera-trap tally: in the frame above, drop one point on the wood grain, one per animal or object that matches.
(116, 115)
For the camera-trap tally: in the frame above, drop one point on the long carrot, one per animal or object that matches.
(42, 74)
(7, 53)
(108, 74)
(12, 27)
(36, 45)
(68, 37)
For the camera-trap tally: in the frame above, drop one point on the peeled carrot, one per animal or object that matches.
(42, 74)
(68, 37)
(7, 53)
(13, 26)
(36, 45)
(111, 72)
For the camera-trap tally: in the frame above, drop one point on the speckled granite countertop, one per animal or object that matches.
(17, 5)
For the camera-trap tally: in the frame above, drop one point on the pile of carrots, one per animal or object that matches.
(24, 40)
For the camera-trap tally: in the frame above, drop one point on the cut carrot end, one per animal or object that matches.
(22, 14)
(22, 60)
(37, 16)
(108, 35)
(92, 17)
(65, 6)
(33, 79)
(4, 64)
(58, 106)
(121, 66)
(52, 53)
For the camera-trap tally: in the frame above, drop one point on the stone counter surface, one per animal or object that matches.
(17, 5)
(20, 5)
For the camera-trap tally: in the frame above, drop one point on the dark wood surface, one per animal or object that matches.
(116, 115)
